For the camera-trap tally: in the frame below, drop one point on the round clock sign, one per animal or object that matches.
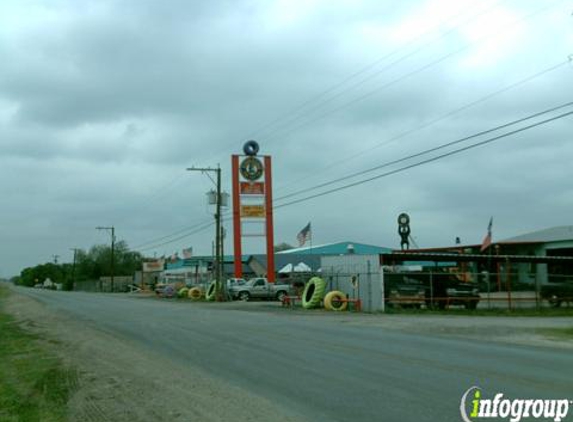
(251, 168)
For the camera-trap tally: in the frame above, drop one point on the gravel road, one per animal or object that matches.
(158, 360)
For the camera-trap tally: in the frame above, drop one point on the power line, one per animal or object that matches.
(188, 231)
(429, 160)
(176, 233)
(420, 48)
(397, 80)
(198, 230)
(434, 121)
(372, 65)
(427, 151)
(414, 72)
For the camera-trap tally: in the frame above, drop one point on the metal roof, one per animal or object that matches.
(553, 234)
(337, 248)
(313, 261)
(393, 257)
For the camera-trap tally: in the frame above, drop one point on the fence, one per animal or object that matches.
(357, 276)
(121, 284)
(500, 290)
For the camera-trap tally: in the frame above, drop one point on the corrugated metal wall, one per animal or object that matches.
(358, 276)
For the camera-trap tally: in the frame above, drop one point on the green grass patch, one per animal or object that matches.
(500, 312)
(558, 333)
(34, 385)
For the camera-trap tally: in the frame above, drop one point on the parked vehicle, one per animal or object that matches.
(259, 288)
(439, 290)
(447, 289)
(235, 282)
(558, 293)
(403, 291)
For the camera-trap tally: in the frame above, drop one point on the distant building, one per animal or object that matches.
(337, 248)
(551, 242)
(554, 241)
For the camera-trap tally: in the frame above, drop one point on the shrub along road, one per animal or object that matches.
(316, 366)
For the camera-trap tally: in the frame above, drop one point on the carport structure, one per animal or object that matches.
(495, 273)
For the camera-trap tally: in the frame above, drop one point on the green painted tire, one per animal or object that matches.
(332, 301)
(211, 291)
(182, 292)
(313, 293)
(195, 293)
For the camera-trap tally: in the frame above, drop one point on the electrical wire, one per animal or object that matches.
(333, 88)
(200, 228)
(427, 151)
(384, 69)
(176, 233)
(196, 231)
(420, 163)
(433, 63)
(414, 72)
(430, 123)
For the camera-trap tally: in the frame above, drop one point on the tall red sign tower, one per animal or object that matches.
(252, 204)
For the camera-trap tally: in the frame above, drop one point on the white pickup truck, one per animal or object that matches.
(259, 288)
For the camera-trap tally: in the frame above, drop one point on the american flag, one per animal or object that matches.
(487, 239)
(304, 235)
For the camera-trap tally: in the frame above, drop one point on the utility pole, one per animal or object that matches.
(112, 229)
(218, 264)
(74, 267)
(55, 258)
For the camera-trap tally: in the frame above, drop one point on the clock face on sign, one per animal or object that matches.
(251, 168)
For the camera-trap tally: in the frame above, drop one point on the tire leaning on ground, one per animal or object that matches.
(183, 292)
(211, 291)
(333, 301)
(313, 293)
(195, 293)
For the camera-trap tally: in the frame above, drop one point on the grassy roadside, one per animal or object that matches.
(34, 385)
(529, 312)
(558, 333)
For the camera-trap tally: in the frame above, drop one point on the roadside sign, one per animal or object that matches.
(252, 211)
(252, 188)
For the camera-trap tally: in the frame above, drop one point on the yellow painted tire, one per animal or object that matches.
(211, 291)
(195, 293)
(332, 301)
(183, 292)
(313, 293)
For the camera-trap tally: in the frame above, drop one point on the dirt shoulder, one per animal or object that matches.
(118, 382)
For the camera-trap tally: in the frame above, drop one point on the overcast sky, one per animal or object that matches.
(104, 104)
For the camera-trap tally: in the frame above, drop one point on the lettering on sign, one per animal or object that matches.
(256, 188)
(253, 211)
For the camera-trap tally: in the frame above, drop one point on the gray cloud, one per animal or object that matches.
(104, 104)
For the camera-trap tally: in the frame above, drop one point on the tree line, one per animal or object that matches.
(89, 265)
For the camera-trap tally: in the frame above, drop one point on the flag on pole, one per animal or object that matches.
(304, 235)
(187, 253)
(487, 239)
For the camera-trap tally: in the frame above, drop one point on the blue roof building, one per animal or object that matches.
(338, 248)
